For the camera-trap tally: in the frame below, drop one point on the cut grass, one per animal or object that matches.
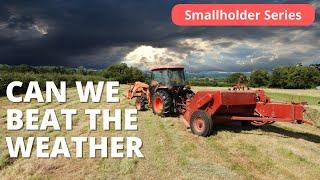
(277, 151)
(311, 100)
(5, 160)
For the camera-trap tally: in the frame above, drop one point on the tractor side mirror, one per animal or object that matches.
(154, 83)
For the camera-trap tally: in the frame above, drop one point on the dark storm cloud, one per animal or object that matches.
(81, 32)
(78, 27)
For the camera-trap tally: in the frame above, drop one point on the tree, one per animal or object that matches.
(234, 77)
(259, 78)
(303, 77)
(316, 66)
(81, 70)
(123, 73)
(4, 67)
(295, 77)
(279, 77)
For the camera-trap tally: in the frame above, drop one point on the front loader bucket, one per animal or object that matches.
(137, 89)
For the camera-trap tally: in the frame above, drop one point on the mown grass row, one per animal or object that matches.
(277, 151)
(311, 100)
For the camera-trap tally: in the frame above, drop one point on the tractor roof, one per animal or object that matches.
(166, 67)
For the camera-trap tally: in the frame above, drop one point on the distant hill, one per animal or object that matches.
(212, 74)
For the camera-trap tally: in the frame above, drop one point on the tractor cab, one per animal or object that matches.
(168, 90)
(168, 76)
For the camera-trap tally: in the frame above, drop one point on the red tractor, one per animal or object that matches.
(167, 94)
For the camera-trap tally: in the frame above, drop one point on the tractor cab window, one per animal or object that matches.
(176, 77)
(169, 76)
(160, 76)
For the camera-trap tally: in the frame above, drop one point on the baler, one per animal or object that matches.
(253, 107)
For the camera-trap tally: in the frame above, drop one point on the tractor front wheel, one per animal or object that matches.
(140, 104)
(161, 103)
(201, 123)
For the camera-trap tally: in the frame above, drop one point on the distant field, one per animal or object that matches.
(277, 151)
(311, 96)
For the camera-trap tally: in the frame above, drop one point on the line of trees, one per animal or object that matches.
(123, 73)
(293, 77)
(23, 68)
(26, 73)
(289, 77)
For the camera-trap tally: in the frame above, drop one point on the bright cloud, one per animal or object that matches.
(41, 28)
(224, 54)
(146, 57)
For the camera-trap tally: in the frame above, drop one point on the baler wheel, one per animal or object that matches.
(162, 103)
(201, 123)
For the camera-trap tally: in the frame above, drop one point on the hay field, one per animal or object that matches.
(277, 151)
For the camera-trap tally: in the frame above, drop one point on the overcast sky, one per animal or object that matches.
(97, 33)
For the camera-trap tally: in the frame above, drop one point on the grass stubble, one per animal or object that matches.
(280, 150)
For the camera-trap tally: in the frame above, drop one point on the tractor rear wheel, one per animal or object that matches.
(201, 123)
(162, 103)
